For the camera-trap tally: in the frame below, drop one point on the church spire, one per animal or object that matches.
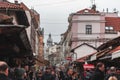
(49, 41)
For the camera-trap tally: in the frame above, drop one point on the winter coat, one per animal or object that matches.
(3, 77)
(62, 75)
(47, 76)
(68, 77)
(98, 75)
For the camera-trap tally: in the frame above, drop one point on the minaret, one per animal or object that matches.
(49, 41)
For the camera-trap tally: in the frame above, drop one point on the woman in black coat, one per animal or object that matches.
(99, 72)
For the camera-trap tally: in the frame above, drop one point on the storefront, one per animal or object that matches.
(14, 44)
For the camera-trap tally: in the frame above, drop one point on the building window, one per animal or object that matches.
(88, 29)
(109, 29)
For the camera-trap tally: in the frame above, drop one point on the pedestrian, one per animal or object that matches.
(75, 76)
(99, 72)
(20, 74)
(112, 74)
(27, 70)
(47, 75)
(39, 75)
(88, 74)
(3, 71)
(62, 73)
(69, 74)
(53, 73)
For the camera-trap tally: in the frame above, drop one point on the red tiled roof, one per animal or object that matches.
(114, 50)
(114, 22)
(4, 5)
(82, 59)
(89, 11)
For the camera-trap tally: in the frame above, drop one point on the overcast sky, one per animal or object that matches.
(54, 13)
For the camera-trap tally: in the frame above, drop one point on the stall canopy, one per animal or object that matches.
(14, 41)
(69, 58)
(88, 66)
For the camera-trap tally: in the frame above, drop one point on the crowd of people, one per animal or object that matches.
(59, 73)
(102, 73)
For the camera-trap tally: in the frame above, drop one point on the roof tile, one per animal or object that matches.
(87, 11)
(4, 5)
(114, 22)
(114, 50)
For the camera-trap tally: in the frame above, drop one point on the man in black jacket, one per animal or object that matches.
(99, 72)
(47, 75)
(3, 71)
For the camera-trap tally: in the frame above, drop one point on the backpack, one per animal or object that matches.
(112, 78)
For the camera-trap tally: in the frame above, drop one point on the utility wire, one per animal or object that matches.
(52, 34)
(55, 3)
(54, 23)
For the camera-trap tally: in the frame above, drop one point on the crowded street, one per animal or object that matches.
(59, 40)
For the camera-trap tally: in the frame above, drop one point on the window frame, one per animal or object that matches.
(88, 29)
(109, 29)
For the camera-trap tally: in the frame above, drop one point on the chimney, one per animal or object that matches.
(103, 10)
(107, 10)
(16, 1)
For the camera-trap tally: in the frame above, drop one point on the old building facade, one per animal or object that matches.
(22, 26)
(91, 27)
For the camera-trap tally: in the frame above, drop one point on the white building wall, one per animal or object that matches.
(83, 51)
(98, 36)
(98, 26)
(82, 27)
(89, 17)
(83, 20)
(111, 35)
